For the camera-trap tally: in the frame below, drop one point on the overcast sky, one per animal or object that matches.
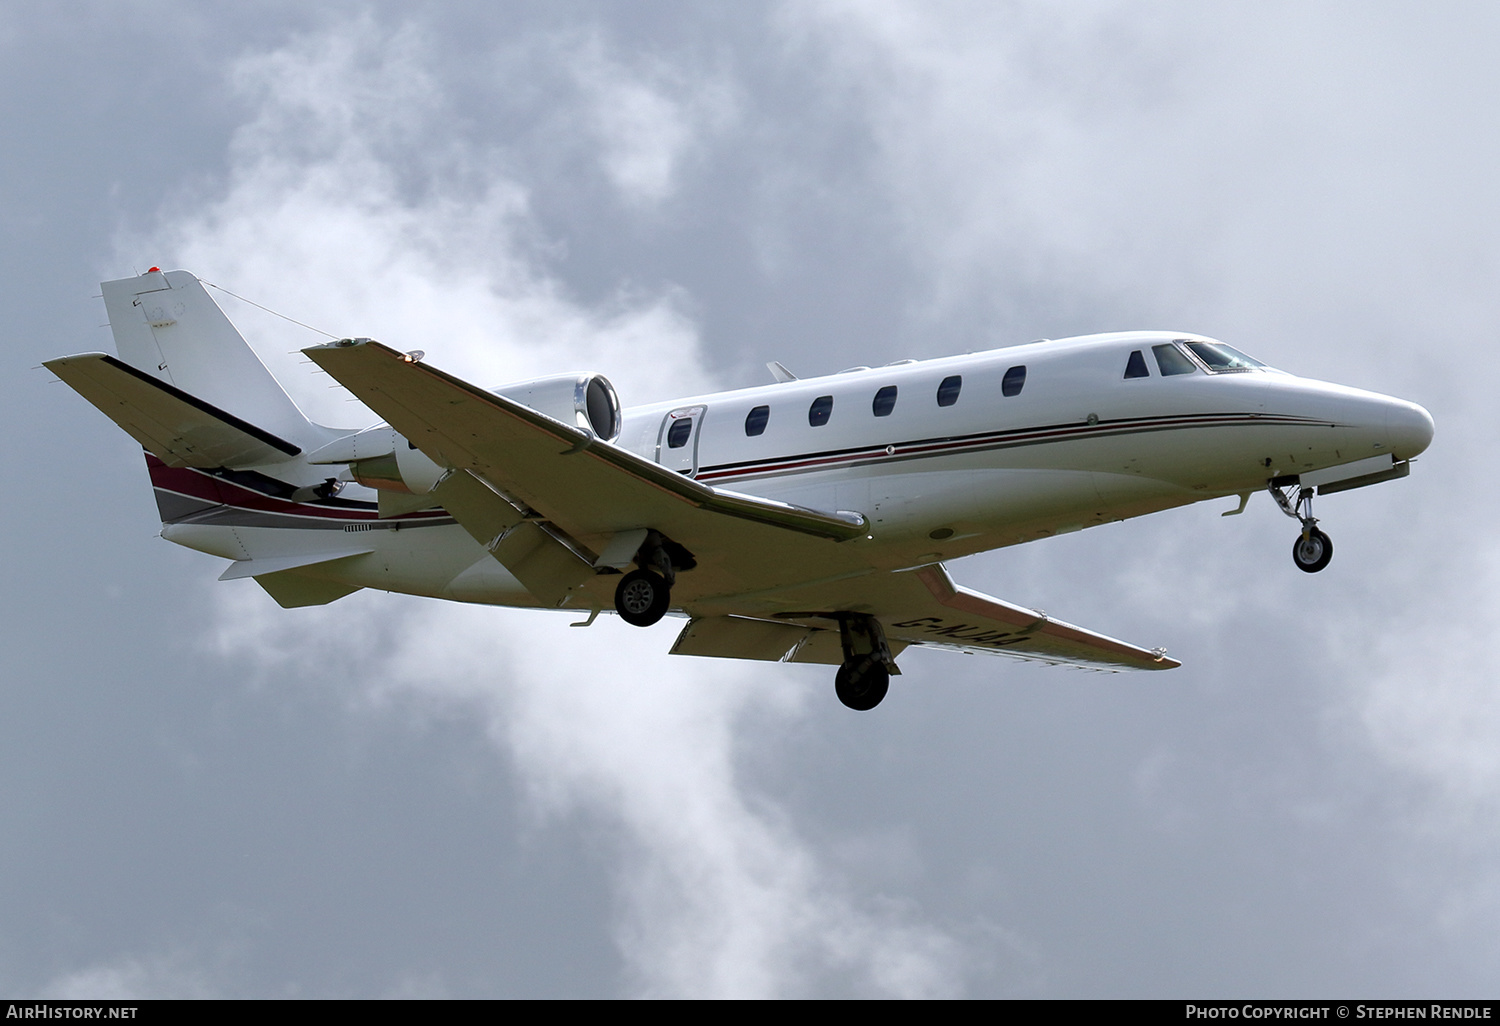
(204, 794)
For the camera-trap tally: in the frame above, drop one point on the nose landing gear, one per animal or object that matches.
(1313, 550)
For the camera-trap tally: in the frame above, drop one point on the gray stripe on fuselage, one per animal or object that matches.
(963, 445)
(195, 511)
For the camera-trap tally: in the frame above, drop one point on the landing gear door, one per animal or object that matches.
(677, 441)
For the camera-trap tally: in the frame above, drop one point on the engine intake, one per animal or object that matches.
(586, 401)
(381, 458)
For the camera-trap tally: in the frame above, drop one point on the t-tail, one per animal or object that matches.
(225, 444)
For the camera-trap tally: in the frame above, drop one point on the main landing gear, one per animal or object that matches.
(644, 595)
(865, 675)
(642, 598)
(1313, 550)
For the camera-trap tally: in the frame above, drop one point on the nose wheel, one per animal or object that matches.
(1313, 550)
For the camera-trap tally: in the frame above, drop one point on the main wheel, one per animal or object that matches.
(642, 598)
(861, 691)
(1312, 553)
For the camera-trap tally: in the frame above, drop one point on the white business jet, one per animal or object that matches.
(806, 520)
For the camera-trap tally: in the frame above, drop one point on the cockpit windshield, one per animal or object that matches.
(1222, 359)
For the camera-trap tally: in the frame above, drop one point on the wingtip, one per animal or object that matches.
(341, 343)
(1163, 661)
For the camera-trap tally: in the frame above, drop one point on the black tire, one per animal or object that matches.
(861, 691)
(642, 598)
(1312, 553)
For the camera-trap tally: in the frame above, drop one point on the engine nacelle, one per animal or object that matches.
(406, 470)
(586, 401)
(382, 458)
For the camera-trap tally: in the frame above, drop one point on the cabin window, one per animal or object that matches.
(820, 410)
(947, 393)
(679, 433)
(1014, 381)
(755, 421)
(1135, 367)
(1171, 360)
(885, 401)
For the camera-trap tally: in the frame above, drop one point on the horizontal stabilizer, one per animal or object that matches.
(242, 568)
(293, 590)
(179, 429)
(293, 581)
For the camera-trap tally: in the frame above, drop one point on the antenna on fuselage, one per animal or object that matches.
(779, 372)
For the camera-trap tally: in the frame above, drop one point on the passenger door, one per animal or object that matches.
(677, 441)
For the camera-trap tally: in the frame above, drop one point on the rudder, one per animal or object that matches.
(167, 325)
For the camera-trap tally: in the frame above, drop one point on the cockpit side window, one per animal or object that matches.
(1219, 358)
(1171, 360)
(1135, 367)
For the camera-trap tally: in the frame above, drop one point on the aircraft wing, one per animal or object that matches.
(915, 607)
(925, 607)
(542, 479)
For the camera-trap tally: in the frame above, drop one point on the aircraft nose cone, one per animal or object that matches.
(1410, 429)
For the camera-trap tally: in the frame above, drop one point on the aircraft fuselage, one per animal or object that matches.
(1076, 445)
(945, 458)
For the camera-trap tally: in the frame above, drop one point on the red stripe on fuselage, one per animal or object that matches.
(201, 485)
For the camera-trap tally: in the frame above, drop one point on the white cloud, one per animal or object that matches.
(338, 212)
(330, 215)
(719, 895)
(648, 119)
(169, 977)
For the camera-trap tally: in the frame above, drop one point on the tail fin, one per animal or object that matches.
(166, 325)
